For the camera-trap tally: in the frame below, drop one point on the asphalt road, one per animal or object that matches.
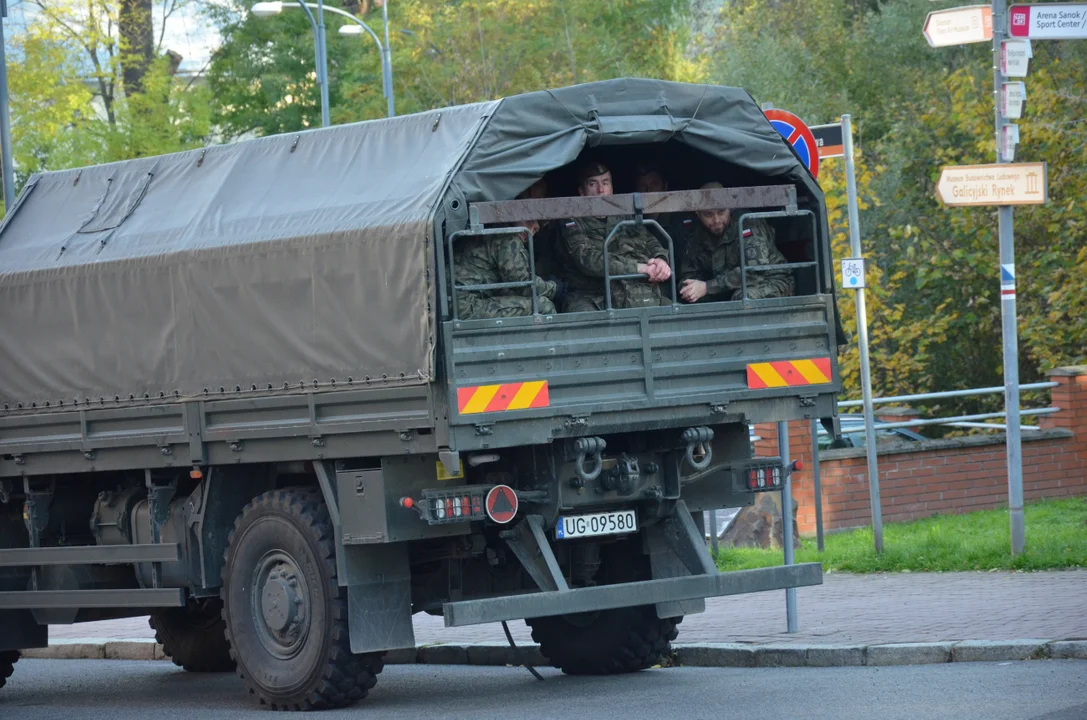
(129, 690)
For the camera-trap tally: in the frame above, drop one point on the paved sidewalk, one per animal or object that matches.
(846, 609)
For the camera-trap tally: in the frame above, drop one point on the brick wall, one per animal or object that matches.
(943, 476)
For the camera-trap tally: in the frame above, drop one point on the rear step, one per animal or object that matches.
(90, 555)
(81, 599)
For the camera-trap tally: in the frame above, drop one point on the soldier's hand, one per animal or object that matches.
(693, 290)
(663, 272)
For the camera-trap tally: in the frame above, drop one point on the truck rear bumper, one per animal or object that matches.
(647, 592)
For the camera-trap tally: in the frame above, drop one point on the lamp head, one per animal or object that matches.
(267, 9)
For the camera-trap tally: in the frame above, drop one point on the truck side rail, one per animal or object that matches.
(672, 201)
(657, 230)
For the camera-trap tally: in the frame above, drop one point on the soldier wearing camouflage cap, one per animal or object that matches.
(634, 250)
(492, 259)
(712, 268)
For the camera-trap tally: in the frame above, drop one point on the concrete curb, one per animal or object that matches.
(687, 655)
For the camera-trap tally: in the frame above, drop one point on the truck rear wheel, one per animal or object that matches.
(608, 642)
(194, 636)
(286, 616)
(8, 658)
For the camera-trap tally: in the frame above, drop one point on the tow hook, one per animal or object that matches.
(594, 447)
(699, 450)
(623, 478)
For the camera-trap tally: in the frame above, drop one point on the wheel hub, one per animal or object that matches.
(279, 605)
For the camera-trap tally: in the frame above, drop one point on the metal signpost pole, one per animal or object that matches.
(817, 485)
(5, 119)
(862, 339)
(1007, 305)
(787, 521)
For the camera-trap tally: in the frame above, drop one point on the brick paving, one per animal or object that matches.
(847, 609)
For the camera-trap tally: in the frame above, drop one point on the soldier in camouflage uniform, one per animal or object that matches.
(497, 259)
(634, 250)
(649, 178)
(712, 270)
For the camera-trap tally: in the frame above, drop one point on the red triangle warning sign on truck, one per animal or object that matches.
(501, 504)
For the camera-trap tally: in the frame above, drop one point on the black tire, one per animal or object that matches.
(8, 658)
(194, 636)
(608, 642)
(286, 615)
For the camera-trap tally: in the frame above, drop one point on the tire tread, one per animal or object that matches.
(8, 658)
(346, 678)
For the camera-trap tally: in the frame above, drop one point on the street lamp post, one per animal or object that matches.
(265, 9)
(268, 9)
(5, 119)
(388, 57)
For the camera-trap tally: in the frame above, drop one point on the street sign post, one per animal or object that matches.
(1051, 21)
(993, 185)
(959, 26)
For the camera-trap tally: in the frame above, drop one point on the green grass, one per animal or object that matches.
(1056, 538)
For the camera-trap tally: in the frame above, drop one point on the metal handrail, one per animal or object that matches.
(963, 418)
(608, 277)
(946, 394)
(819, 279)
(530, 283)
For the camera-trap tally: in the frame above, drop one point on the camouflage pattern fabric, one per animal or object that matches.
(497, 259)
(582, 247)
(716, 260)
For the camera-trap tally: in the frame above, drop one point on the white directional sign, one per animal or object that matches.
(959, 26)
(1012, 97)
(1009, 140)
(1051, 21)
(853, 273)
(1015, 58)
(1018, 184)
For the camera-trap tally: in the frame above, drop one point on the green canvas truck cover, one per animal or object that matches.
(304, 258)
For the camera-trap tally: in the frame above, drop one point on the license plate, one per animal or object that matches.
(608, 523)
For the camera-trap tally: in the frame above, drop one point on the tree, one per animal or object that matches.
(444, 53)
(50, 107)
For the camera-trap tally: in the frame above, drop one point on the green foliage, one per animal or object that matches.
(1055, 539)
(49, 106)
(444, 53)
(934, 308)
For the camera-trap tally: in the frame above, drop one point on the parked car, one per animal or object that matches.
(853, 433)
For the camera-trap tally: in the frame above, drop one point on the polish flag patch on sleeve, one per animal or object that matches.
(748, 233)
(570, 223)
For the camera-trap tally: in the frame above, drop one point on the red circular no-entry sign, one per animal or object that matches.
(797, 134)
(501, 504)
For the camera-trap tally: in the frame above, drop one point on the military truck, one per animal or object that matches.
(237, 397)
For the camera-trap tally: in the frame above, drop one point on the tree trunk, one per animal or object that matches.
(137, 43)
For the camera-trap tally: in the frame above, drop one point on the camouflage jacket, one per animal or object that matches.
(495, 259)
(582, 247)
(716, 260)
